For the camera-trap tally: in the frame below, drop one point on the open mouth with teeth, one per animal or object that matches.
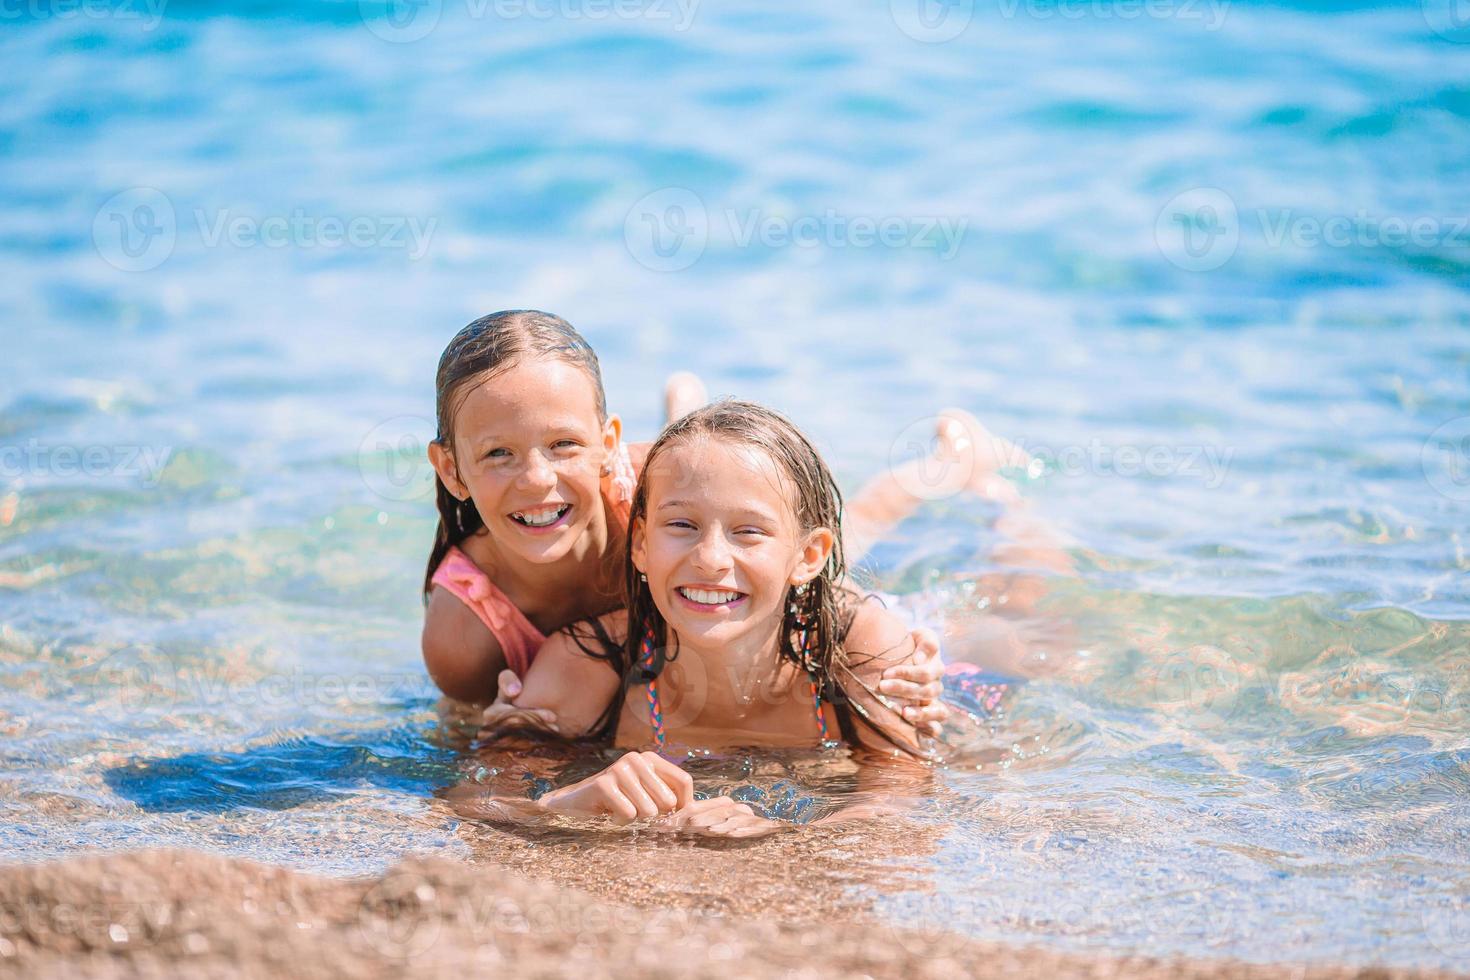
(709, 600)
(541, 518)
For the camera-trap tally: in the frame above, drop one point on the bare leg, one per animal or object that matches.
(964, 457)
(683, 393)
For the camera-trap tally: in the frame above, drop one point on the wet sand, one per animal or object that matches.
(170, 913)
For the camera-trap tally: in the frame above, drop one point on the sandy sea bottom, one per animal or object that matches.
(168, 913)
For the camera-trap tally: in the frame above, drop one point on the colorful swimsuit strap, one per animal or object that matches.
(655, 709)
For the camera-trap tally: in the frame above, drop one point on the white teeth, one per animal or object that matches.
(541, 516)
(708, 597)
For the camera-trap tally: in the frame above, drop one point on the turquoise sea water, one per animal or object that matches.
(1207, 262)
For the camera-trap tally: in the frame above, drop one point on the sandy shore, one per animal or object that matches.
(170, 913)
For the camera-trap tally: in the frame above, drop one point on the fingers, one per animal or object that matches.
(503, 713)
(703, 814)
(615, 803)
(927, 671)
(652, 784)
(723, 817)
(919, 680)
(508, 686)
(926, 643)
(761, 828)
(935, 711)
(676, 779)
(632, 788)
(660, 778)
(917, 692)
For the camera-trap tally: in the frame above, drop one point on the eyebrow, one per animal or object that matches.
(746, 512)
(560, 427)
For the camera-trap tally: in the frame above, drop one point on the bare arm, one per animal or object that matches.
(461, 654)
(876, 642)
(565, 681)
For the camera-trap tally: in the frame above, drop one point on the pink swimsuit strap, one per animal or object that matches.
(518, 638)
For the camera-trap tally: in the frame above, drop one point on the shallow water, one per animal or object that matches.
(1249, 737)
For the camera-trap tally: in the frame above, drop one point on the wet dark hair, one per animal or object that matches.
(484, 348)
(817, 617)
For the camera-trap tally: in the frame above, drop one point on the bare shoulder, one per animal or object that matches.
(582, 642)
(877, 638)
(461, 654)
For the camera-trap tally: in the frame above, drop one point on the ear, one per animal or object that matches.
(637, 546)
(816, 548)
(612, 435)
(443, 461)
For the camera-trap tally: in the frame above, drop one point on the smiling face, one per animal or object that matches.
(721, 545)
(528, 450)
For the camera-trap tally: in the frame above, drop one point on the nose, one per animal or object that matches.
(711, 554)
(537, 473)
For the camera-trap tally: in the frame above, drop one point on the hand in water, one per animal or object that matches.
(503, 715)
(915, 687)
(637, 786)
(724, 817)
